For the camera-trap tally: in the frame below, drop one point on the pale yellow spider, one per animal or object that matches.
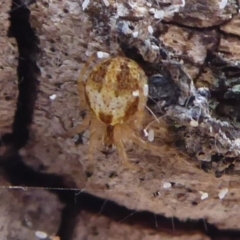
(114, 94)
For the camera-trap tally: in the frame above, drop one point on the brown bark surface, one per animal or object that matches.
(190, 53)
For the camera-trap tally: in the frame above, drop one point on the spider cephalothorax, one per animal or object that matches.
(115, 92)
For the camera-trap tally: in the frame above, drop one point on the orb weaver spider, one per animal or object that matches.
(114, 94)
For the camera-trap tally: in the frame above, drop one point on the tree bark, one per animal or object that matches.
(189, 51)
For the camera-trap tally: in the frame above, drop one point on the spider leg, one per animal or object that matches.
(143, 144)
(121, 150)
(80, 128)
(124, 158)
(82, 80)
(137, 121)
(161, 150)
(96, 132)
(81, 92)
(94, 141)
(86, 68)
(92, 146)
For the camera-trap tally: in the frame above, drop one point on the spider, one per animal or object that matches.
(114, 95)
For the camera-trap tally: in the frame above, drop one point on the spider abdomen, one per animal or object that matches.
(110, 89)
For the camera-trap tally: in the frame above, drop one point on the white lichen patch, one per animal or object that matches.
(149, 4)
(167, 185)
(223, 4)
(193, 123)
(158, 14)
(150, 29)
(222, 193)
(125, 28)
(135, 34)
(152, 10)
(150, 135)
(204, 195)
(85, 4)
(102, 54)
(236, 88)
(154, 47)
(135, 93)
(145, 90)
(145, 132)
(183, 3)
(53, 96)
(41, 235)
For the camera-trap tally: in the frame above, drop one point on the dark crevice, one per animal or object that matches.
(27, 71)
(148, 220)
(69, 218)
(18, 173)
(75, 202)
(228, 35)
(198, 29)
(13, 167)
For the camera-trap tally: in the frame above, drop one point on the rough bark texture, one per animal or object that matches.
(189, 50)
(8, 68)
